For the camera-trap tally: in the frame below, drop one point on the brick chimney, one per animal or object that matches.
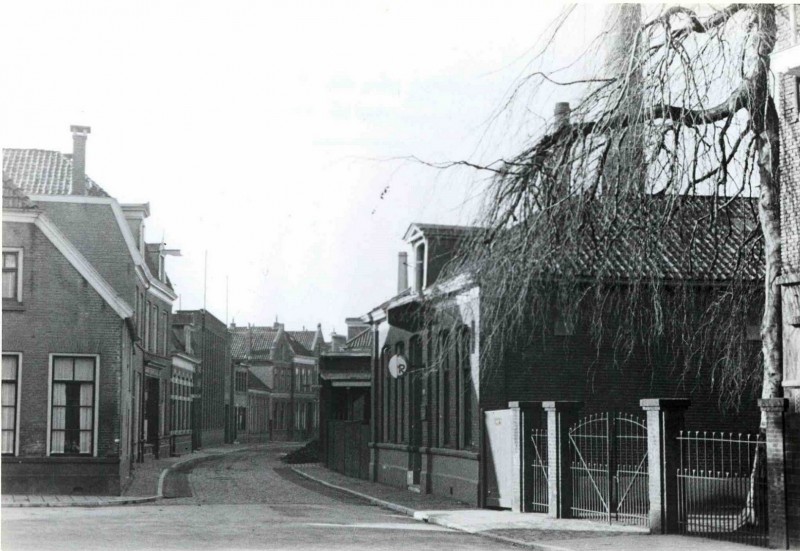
(337, 342)
(79, 135)
(561, 114)
(402, 272)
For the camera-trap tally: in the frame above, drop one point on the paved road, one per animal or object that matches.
(246, 500)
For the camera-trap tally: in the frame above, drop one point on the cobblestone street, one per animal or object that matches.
(245, 500)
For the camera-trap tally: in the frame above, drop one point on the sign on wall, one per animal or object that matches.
(398, 366)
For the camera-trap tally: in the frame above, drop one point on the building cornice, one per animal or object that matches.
(154, 286)
(74, 256)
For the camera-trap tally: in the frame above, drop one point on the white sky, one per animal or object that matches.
(261, 132)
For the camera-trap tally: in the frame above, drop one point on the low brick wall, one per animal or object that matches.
(61, 475)
(392, 464)
(454, 474)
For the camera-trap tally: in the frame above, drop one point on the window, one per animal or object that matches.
(164, 329)
(419, 268)
(241, 381)
(73, 405)
(154, 329)
(9, 401)
(12, 283)
(147, 326)
(445, 408)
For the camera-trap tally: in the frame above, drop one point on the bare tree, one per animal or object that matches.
(653, 202)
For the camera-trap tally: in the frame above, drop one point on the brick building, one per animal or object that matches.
(282, 368)
(211, 344)
(428, 389)
(184, 386)
(85, 313)
(785, 65)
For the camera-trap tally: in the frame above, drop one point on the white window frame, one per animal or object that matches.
(19, 251)
(51, 357)
(19, 395)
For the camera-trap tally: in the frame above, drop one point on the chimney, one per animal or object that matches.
(402, 272)
(561, 114)
(337, 342)
(79, 135)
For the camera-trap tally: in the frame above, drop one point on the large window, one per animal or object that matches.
(73, 405)
(465, 346)
(9, 400)
(12, 265)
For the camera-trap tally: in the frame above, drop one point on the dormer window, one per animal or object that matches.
(419, 267)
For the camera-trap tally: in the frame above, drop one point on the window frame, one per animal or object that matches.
(95, 405)
(19, 252)
(18, 382)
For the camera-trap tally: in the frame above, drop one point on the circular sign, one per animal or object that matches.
(397, 366)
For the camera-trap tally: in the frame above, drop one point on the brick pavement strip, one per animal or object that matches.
(549, 535)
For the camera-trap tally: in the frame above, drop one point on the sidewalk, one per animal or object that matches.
(531, 530)
(147, 483)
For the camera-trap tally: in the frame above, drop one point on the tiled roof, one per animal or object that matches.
(252, 342)
(362, 341)
(296, 346)
(41, 172)
(13, 197)
(716, 250)
(306, 338)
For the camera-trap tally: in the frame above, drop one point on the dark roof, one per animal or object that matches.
(442, 229)
(296, 347)
(252, 342)
(254, 383)
(41, 172)
(305, 338)
(13, 197)
(710, 251)
(362, 341)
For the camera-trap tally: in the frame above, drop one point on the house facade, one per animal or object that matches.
(211, 344)
(785, 65)
(429, 389)
(84, 315)
(277, 375)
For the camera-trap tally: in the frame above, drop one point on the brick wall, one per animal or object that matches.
(61, 313)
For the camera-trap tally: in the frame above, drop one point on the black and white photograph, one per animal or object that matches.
(381, 275)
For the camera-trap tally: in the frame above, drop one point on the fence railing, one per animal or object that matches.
(539, 489)
(722, 486)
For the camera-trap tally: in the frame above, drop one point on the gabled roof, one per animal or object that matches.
(297, 347)
(13, 197)
(252, 342)
(42, 172)
(361, 342)
(305, 338)
(438, 230)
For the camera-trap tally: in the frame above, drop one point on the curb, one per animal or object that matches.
(133, 500)
(422, 516)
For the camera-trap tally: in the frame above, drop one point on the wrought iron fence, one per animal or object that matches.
(722, 486)
(610, 469)
(539, 475)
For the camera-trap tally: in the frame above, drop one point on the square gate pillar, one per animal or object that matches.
(560, 416)
(773, 409)
(665, 418)
(522, 415)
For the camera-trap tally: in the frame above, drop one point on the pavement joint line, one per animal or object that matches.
(432, 520)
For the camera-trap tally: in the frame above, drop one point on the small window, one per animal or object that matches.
(9, 401)
(11, 275)
(73, 406)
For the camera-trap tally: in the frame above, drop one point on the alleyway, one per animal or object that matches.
(247, 500)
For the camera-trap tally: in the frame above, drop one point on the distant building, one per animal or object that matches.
(184, 387)
(282, 375)
(210, 343)
(86, 306)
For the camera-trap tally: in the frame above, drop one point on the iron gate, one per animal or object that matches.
(540, 491)
(609, 468)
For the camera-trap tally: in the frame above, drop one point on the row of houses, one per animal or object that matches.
(407, 403)
(100, 373)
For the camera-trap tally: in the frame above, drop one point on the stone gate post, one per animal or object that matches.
(665, 417)
(560, 416)
(773, 409)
